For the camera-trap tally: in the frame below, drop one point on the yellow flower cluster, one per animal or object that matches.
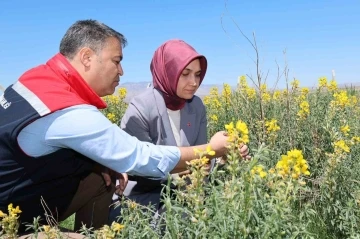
(13, 212)
(341, 99)
(272, 126)
(303, 94)
(212, 100)
(226, 94)
(345, 130)
(295, 84)
(202, 159)
(258, 170)
(293, 164)
(266, 97)
(332, 85)
(355, 139)
(341, 146)
(214, 118)
(9, 222)
(242, 83)
(323, 82)
(277, 95)
(250, 93)
(112, 99)
(304, 110)
(109, 232)
(304, 91)
(51, 232)
(243, 87)
(214, 92)
(122, 93)
(239, 132)
(111, 117)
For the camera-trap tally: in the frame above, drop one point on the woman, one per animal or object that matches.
(167, 113)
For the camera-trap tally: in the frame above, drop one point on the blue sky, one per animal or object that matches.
(319, 36)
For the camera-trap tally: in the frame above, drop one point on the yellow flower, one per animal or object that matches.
(46, 228)
(241, 127)
(198, 162)
(243, 130)
(259, 170)
(295, 84)
(333, 85)
(292, 164)
(209, 151)
(285, 93)
(117, 227)
(122, 93)
(2, 214)
(204, 160)
(10, 207)
(214, 118)
(272, 126)
(15, 211)
(341, 99)
(277, 95)
(353, 100)
(216, 103)
(111, 117)
(214, 91)
(355, 139)
(304, 91)
(262, 174)
(304, 110)
(251, 93)
(226, 90)
(206, 100)
(341, 146)
(266, 97)
(242, 81)
(323, 82)
(263, 87)
(230, 127)
(345, 129)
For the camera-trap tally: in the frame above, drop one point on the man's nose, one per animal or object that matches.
(121, 71)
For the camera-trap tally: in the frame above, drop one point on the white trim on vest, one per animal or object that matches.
(31, 98)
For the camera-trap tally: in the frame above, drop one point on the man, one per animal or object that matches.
(54, 142)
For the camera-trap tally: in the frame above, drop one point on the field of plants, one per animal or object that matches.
(302, 180)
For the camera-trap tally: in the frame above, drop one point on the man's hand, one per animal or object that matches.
(218, 143)
(122, 177)
(123, 181)
(106, 173)
(244, 151)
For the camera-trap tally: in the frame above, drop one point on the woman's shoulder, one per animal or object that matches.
(145, 97)
(196, 101)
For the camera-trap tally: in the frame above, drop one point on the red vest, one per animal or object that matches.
(55, 177)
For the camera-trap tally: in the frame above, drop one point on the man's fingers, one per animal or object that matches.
(106, 177)
(123, 181)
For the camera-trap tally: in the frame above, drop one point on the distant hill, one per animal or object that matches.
(134, 88)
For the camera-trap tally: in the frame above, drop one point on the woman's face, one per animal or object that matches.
(189, 80)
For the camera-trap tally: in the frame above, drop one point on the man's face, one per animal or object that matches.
(106, 68)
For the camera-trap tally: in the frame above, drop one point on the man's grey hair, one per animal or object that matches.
(87, 33)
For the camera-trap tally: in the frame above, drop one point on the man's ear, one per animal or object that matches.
(85, 55)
